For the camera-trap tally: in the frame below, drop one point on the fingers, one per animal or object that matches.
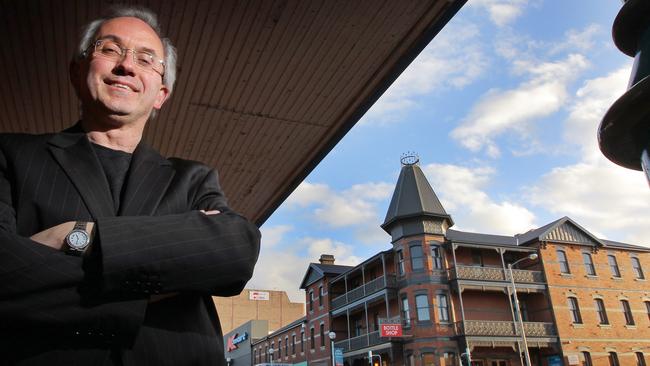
(210, 212)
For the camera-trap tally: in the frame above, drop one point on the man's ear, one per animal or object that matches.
(162, 96)
(75, 77)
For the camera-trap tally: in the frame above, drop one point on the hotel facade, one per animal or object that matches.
(580, 300)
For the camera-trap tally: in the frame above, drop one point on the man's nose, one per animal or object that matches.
(126, 64)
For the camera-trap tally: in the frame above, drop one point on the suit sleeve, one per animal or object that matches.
(39, 288)
(185, 252)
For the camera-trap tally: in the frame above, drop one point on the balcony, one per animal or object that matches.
(362, 341)
(489, 328)
(477, 273)
(368, 288)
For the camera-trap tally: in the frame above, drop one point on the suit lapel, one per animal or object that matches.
(149, 176)
(76, 157)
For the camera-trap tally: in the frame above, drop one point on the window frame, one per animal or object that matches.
(436, 255)
(613, 266)
(627, 312)
(587, 357)
(312, 338)
(613, 359)
(640, 358)
(405, 311)
(444, 315)
(424, 309)
(563, 261)
(588, 261)
(311, 300)
(320, 296)
(322, 334)
(419, 259)
(601, 311)
(400, 262)
(574, 310)
(293, 344)
(638, 269)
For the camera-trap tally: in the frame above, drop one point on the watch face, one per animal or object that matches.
(78, 239)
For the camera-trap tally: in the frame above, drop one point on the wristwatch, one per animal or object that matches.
(77, 239)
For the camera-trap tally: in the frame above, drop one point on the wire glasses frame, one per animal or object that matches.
(114, 51)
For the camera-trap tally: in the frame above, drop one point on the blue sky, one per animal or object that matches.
(502, 108)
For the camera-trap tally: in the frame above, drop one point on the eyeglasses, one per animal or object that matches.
(115, 52)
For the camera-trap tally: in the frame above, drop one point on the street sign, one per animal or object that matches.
(338, 356)
(391, 330)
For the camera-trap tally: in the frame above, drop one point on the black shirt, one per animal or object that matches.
(116, 165)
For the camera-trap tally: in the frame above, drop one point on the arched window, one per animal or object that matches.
(564, 264)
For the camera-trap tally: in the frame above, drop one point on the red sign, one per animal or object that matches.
(391, 330)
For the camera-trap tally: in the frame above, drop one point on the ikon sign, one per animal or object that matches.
(391, 330)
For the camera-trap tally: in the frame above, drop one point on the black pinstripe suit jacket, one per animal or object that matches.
(57, 309)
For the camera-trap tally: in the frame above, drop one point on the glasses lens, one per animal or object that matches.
(114, 51)
(109, 49)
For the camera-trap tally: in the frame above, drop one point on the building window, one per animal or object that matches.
(422, 307)
(589, 264)
(640, 360)
(357, 326)
(312, 338)
(587, 357)
(279, 349)
(293, 344)
(647, 308)
(450, 359)
(523, 310)
(436, 256)
(564, 264)
(574, 309)
(443, 308)
(613, 359)
(636, 266)
(600, 310)
(320, 296)
(417, 259)
(400, 262)
(613, 266)
(286, 346)
(322, 335)
(406, 316)
(255, 355)
(477, 258)
(272, 350)
(266, 353)
(629, 320)
(302, 341)
(311, 300)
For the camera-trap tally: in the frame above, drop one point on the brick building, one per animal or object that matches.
(273, 306)
(581, 300)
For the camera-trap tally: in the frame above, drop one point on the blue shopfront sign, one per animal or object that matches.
(338, 356)
(554, 360)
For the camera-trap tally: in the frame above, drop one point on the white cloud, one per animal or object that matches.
(284, 269)
(578, 40)
(502, 12)
(271, 236)
(592, 101)
(454, 59)
(356, 208)
(498, 111)
(460, 190)
(604, 198)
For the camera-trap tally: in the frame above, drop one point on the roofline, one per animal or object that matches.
(386, 224)
(425, 38)
(387, 251)
(279, 330)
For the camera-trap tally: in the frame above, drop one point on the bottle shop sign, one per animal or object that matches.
(391, 330)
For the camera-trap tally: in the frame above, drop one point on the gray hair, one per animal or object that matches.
(147, 16)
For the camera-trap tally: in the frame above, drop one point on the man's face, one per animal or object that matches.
(120, 90)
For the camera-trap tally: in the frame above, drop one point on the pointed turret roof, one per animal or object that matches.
(413, 196)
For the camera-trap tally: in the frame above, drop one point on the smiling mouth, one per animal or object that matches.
(119, 85)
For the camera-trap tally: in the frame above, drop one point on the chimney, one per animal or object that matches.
(326, 259)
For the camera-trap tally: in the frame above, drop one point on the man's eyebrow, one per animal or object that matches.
(117, 39)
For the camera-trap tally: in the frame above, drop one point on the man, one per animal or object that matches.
(109, 252)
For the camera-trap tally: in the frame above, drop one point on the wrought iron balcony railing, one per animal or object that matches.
(495, 274)
(366, 289)
(362, 341)
(490, 328)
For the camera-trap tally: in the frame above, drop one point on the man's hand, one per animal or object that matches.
(54, 237)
